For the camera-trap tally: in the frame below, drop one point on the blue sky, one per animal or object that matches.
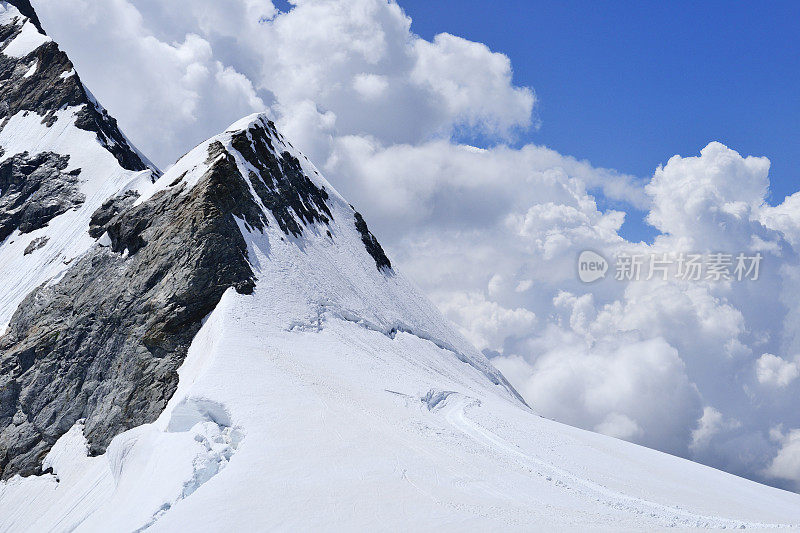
(629, 84)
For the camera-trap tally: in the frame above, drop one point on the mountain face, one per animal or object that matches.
(102, 342)
(118, 324)
(61, 157)
(37, 77)
(227, 346)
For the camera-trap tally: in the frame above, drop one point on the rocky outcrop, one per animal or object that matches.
(36, 244)
(280, 182)
(288, 193)
(372, 245)
(105, 342)
(25, 7)
(34, 190)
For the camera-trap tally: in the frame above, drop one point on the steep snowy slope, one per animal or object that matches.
(323, 391)
(61, 156)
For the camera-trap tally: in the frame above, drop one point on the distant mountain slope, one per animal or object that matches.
(61, 157)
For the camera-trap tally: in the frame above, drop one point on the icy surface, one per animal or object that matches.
(342, 427)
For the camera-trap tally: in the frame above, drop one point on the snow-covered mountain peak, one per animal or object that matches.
(22, 32)
(37, 77)
(20, 10)
(270, 166)
(286, 188)
(243, 212)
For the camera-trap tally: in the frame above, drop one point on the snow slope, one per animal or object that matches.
(336, 397)
(101, 175)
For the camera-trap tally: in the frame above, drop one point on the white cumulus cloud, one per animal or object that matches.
(774, 371)
(786, 463)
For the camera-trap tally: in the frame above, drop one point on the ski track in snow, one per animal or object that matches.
(455, 409)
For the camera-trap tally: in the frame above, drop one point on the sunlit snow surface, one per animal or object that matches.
(336, 397)
(347, 428)
(28, 40)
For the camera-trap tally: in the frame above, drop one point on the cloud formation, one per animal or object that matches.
(326, 66)
(707, 346)
(706, 370)
(776, 372)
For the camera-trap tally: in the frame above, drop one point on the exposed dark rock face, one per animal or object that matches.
(35, 244)
(282, 185)
(108, 211)
(34, 190)
(372, 245)
(49, 89)
(294, 200)
(7, 32)
(105, 342)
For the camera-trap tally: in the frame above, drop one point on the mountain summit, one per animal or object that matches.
(227, 346)
(119, 322)
(102, 341)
